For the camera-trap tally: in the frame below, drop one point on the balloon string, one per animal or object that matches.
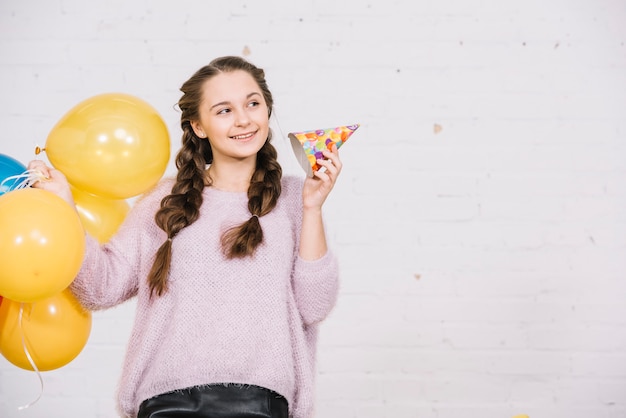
(30, 360)
(20, 181)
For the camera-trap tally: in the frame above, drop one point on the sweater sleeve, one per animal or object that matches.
(106, 277)
(315, 282)
(316, 286)
(110, 272)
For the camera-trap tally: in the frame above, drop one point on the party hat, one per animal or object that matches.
(308, 145)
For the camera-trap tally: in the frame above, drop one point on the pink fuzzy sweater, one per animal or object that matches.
(250, 321)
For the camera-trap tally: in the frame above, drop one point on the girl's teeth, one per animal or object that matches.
(242, 136)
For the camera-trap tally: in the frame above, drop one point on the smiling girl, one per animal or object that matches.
(228, 262)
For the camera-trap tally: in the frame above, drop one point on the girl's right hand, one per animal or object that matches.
(52, 180)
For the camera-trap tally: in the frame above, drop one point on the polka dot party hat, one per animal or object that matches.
(308, 145)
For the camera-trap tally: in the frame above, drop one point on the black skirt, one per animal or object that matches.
(216, 401)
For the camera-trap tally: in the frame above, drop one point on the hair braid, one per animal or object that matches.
(182, 206)
(263, 193)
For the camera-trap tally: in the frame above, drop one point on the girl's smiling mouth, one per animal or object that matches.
(243, 137)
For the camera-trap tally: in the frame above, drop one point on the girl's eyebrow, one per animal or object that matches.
(254, 93)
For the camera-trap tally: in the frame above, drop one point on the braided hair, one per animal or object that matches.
(181, 207)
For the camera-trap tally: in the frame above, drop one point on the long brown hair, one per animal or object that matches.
(181, 207)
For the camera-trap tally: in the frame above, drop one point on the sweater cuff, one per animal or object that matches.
(315, 287)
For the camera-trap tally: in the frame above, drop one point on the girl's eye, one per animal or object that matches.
(253, 104)
(223, 111)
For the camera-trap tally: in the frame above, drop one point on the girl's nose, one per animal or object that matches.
(242, 118)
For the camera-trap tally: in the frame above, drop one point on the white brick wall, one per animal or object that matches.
(483, 265)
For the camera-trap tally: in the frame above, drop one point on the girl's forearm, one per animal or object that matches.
(313, 236)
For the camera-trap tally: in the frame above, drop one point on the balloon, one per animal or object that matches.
(42, 244)
(9, 167)
(112, 145)
(100, 217)
(55, 331)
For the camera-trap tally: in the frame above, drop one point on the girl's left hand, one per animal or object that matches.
(317, 188)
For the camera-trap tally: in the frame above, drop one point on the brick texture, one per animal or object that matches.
(480, 219)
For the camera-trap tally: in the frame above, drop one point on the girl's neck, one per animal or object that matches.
(230, 177)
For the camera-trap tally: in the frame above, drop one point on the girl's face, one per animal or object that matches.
(233, 116)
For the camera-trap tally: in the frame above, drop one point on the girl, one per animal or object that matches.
(229, 264)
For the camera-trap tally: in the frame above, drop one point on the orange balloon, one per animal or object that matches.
(42, 244)
(112, 145)
(55, 331)
(101, 217)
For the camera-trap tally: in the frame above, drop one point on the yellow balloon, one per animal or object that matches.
(101, 217)
(55, 331)
(42, 244)
(112, 145)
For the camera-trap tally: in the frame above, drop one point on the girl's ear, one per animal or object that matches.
(197, 129)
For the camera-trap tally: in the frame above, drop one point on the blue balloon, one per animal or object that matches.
(10, 167)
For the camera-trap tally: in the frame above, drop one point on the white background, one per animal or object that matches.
(480, 219)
